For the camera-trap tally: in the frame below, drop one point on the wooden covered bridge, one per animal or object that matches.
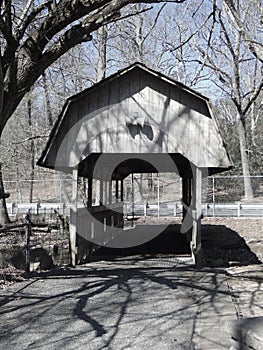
(135, 121)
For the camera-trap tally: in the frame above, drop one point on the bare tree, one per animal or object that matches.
(236, 68)
(135, 39)
(176, 34)
(34, 34)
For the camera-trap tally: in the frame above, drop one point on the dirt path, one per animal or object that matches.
(136, 303)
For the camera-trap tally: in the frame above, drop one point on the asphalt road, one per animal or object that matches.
(154, 303)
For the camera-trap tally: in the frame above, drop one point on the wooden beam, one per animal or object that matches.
(73, 219)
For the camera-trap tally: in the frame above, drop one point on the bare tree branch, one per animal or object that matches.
(253, 97)
(29, 139)
(186, 41)
(255, 47)
(28, 19)
(35, 43)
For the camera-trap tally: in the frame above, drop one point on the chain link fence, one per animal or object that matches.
(230, 189)
(37, 191)
(222, 196)
(49, 194)
(41, 247)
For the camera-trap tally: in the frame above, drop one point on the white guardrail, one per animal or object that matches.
(208, 209)
(164, 210)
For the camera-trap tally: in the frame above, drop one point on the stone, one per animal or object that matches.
(249, 333)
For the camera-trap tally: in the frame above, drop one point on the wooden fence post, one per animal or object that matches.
(28, 234)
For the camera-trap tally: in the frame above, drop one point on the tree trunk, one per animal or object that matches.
(4, 218)
(102, 52)
(138, 35)
(241, 125)
(48, 104)
(31, 150)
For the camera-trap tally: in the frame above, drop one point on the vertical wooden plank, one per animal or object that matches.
(73, 218)
(122, 112)
(104, 120)
(115, 120)
(179, 117)
(70, 147)
(134, 110)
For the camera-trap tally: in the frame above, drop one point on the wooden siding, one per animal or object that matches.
(175, 121)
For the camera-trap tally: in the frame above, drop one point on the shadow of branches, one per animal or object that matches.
(124, 302)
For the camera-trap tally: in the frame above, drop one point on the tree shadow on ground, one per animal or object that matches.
(105, 306)
(222, 246)
(120, 306)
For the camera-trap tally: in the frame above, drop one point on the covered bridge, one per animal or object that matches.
(135, 121)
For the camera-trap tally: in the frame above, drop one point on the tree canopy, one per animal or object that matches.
(34, 34)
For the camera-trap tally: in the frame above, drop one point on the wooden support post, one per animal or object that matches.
(197, 215)
(89, 201)
(110, 192)
(73, 219)
(158, 195)
(187, 193)
(187, 199)
(133, 206)
(106, 194)
(101, 192)
(96, 186)
(28, 234)
(117, 191)
(213, 196)
(122, 196)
